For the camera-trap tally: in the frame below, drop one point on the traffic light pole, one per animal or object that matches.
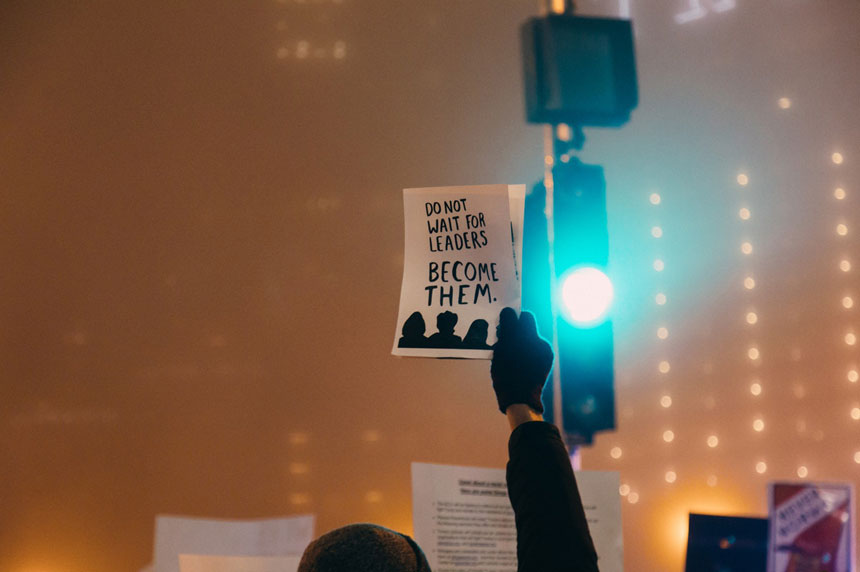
(550, 147)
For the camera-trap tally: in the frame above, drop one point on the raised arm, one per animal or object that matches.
(552, 531)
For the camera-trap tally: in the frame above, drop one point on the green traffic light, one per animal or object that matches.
(586, 296)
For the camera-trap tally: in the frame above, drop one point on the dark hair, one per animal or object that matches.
(363, 548)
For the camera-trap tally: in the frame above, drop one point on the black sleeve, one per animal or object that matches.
(552, 533)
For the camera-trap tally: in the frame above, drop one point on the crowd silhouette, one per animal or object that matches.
(414, 329)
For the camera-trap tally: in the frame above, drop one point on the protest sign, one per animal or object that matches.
(200, 536)
(463, 519)
(811, 527)
(461, 257)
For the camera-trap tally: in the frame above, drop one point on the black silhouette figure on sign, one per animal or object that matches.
(413, 332)
(476, 337)
(445, 337)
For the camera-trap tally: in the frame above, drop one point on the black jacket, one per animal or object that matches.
(552, 532)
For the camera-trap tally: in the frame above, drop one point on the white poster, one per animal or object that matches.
(464, 521)
(263, 537)
(461, 267)
(201, 563)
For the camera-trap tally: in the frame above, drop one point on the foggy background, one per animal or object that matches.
(201, 218)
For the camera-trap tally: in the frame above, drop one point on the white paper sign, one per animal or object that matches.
(264, 537)
(201, 563)
(464, 521)
(462, 247)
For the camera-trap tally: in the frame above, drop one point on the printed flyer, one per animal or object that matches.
(461, 267)
(463, 519)
(811, 527)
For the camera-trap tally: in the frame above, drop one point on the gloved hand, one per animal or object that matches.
(521, 361)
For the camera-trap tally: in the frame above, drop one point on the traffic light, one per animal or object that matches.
(583, 294)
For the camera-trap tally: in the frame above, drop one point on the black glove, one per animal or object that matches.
(521, 361)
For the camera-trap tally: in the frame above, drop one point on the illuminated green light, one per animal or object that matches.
(586, 295)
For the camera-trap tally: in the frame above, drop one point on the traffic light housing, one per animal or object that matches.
(585, 351)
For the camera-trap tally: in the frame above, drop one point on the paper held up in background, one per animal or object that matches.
(464, 521)
(460, 268)
(275, 537)
(811, 527)
(200, 563)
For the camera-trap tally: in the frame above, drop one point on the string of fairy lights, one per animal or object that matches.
(302, 49)
(662, 334)
(751, 319)
(840, 195)
(751, 314)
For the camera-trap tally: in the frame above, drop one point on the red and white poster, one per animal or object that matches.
(811, 527)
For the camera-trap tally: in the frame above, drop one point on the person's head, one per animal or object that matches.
(478, 331)
(363, 548)
(445, 322)
(414, 325)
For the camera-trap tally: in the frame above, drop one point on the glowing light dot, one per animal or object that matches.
(298, 468)
(855, 413)
(845, 265)
(755, 389)
(761, 467)
(746, 248)
(784, 103)
(802, 472)
(758, 425)
(841, 229)
(666, 401)
(373, 496)
(670, 476)
(664, 367)
(847, 302)
(857, 457)
(339, 50)
(660, 299)
(850, 338)
(853, 375)
(615, 452)
(837, 158)
(713, 441)
(753, 353)
(548, 160)
(656, 231)
(564, 132)
(749, 283)
(752, 318)
(624, 490)
(370, 436)
(659, 265)
(662, 333)
(633, 498)
(668, 436)
(744, 213)
(655, 199)
(712, 481)
(302, 49)
(839, 193)
(298, 438)
(743, 179)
